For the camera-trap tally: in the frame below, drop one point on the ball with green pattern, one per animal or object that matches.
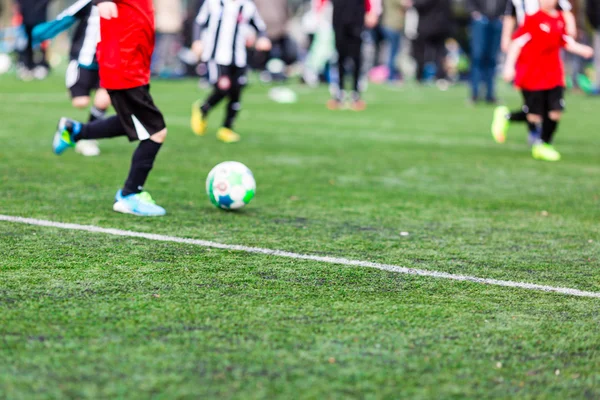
(230, 185)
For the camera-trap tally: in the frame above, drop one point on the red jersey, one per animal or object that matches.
(540, 66)
(126, 45)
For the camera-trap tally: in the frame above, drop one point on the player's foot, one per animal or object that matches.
(199, 122)
(334, 104)
(63, 137)
(40, 72)
(357, 103)
(140, 204)
(226, 135)
(87, 148)
(545, 152)
(24, 74)
(500, 124)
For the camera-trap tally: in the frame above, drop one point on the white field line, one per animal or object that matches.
(296, 256)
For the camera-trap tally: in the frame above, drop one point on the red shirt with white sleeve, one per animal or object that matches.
(539, 66)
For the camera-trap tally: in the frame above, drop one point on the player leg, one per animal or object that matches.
(101, 104)
(143, 122)
(25, 70)
(503, 117)
(341, 47)
(80, 83)
(238, 81)
(555, 106)
(355, 49)
(419, 56)
(521, 116)
(537, 104)
(491, 55)
(478, 40)
(200, 111)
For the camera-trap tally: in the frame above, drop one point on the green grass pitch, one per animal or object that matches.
(86, 315)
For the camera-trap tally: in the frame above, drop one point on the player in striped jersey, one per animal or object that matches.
(222, 32)
(82, 76)
(516, 12)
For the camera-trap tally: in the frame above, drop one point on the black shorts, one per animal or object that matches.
(224, 76)
(541, 102)
(81, 82)
(137, 112)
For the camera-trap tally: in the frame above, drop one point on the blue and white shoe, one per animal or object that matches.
(140, 204)
(64, 135)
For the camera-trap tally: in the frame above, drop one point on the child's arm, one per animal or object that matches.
(509, 24)
(578, 49)
(200, 24)
(570, 23)
(262, 43)
(512, 55)
(65, 20)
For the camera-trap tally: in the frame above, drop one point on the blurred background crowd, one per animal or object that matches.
(438, 42)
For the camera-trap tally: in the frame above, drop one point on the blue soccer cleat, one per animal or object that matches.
(65, 134)
(140, 204)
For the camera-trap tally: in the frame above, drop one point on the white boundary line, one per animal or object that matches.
(296, 256)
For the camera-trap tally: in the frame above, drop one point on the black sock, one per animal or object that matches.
(548, 129)
(141, 164)
(215, 98)
(234, 106)
(518, 116)
(101, 129)
(96, 114)
(537, 128)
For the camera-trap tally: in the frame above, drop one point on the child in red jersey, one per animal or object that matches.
(534, 63)
(124, 56)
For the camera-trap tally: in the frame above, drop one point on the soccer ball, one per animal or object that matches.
(230, 185)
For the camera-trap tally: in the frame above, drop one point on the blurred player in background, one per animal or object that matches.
(350, 17)
(220, 39)
(32, 63)
(82, 73)
(534, 63)
(124, 56)
(515, 15)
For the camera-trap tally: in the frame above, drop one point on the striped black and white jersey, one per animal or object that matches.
(522, 8)
(86, 35)
(223, 26)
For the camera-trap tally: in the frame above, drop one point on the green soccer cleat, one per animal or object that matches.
(64, 135)
(545, 152)
(500, 124)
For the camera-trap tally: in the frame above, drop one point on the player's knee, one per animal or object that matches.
(534, 118)
(81, 102)
(159, 137)
(102, 100)
(555, 115)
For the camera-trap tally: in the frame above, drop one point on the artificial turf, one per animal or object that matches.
(87, 315)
